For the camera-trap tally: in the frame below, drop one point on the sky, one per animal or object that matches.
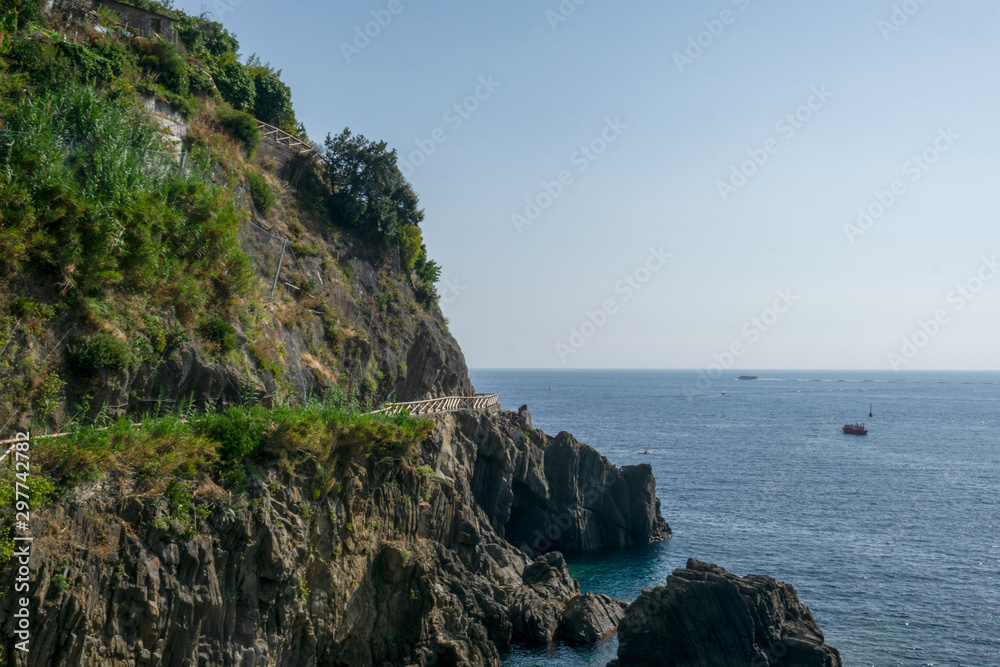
(749, 184)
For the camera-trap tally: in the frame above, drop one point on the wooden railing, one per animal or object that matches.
(435, 406)
(280, 136)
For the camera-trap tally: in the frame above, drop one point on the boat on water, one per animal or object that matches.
(747, 377)
(856, 429)
(646, 453)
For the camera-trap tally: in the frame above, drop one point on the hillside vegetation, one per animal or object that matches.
(137, 268)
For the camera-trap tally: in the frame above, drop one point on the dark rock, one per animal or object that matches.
(706, 617)
(590, 617)
(544, 494)
(395, 568)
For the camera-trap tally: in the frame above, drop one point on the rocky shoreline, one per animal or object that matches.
(393, 565)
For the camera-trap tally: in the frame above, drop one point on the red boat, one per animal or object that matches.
(856, 429)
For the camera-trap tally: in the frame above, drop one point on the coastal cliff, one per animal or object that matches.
(395, 563)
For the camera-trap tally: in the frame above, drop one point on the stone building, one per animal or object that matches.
(147, 23)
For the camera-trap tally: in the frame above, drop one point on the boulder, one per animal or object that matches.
(707, 617)
(590, 617)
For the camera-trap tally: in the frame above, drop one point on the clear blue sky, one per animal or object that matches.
(679, 127)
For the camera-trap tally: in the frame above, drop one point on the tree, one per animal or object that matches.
(370, 194)
(272, 97)
(234, 82)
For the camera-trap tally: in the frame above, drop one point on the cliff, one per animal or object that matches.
(393, 563)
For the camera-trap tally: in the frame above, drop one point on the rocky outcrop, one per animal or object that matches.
(544, 493)
(590, 617)
(706, 617)
(370, 562)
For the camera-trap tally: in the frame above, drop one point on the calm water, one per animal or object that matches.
(892, 539)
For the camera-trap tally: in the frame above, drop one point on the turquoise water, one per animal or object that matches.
(892, 539)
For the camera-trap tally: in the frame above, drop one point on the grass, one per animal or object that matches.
(229, 444)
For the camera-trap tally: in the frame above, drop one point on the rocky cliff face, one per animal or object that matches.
(706, 617)
(389, 565)
(287, 353)
(544, 493)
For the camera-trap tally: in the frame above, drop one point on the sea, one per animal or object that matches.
(891, 539)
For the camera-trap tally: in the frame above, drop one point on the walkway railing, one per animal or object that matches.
(435, 406)
(280, 136)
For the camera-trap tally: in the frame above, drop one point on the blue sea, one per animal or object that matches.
(892, 539)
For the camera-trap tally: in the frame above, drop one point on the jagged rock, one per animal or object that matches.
(589, 617)
(393, 567)
(544, 494)
(706, 617)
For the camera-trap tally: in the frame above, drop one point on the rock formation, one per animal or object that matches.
(389, 565)
(544, 493)
(706, 617)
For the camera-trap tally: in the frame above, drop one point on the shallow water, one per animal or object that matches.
(892, 539)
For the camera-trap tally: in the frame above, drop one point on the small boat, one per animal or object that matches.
(747, 377)
(856, 429)
(723, 393)
(646, 453)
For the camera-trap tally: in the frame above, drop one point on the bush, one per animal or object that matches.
(272, 98)
(100, 351)
(235, 83)
(221, 332)
(87, 195)
(17, 14)
(165, 60)
(240, 126)
(260, 191)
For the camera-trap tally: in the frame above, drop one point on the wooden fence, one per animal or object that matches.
(280, 136)
(435, 406)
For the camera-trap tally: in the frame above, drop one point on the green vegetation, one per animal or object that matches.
(260, 192)
(240, 126)
(112, 236)
(231, 443)
(220, 332)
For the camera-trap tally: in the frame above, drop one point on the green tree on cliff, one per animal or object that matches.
(370, 194)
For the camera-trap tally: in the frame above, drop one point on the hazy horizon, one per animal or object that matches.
(795, 185)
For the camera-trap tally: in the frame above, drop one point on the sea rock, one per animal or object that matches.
(590, 617)
(543, 493)
(707, 617)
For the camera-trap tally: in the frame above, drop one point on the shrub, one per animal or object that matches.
(426, 293)
(272, 97)
(260, 191)
(98, 352)
(240, 126)
(221, 332)
(17, 14)
(239, 432)
(165, 60)
(234, 82)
